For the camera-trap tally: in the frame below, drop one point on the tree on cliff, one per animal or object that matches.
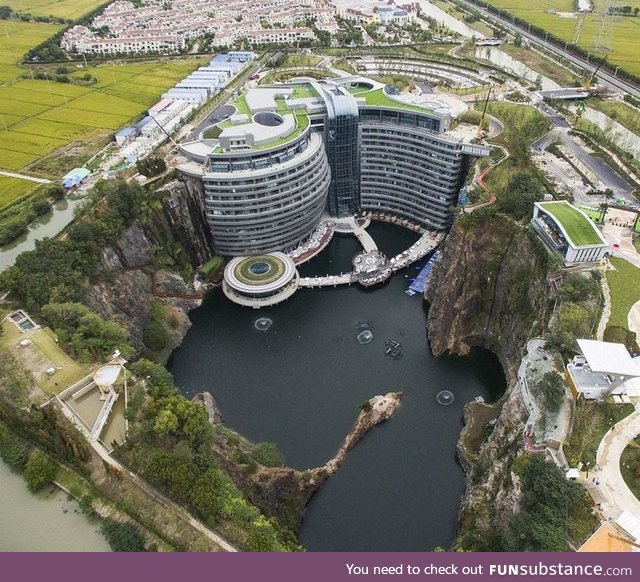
(547, 498)
(84, 333)
(573, 322)
(551, 388)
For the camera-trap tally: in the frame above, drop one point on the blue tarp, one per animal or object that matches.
(75, 177)
(420, 282)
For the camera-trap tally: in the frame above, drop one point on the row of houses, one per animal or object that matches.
(375, 12)
(166, 116)
(168, 26)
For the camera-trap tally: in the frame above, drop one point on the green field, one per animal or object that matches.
(624, 284)
(38, 116)
(582, 30)
(620, 112)
(13, 188)
(71, 9)
(16, 38)
(580, 229)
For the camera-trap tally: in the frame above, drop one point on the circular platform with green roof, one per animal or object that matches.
(260, 276)
(260, 270)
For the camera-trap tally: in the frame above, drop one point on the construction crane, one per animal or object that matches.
(590, 79)
(480, 134)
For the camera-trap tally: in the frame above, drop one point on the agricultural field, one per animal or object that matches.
(13, 188)
(39, 116)
(558, 17)
(69, 9)
(16, 38)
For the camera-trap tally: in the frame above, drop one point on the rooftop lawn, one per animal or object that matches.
(624, 284)
(43, 353)
(378, 98)
(302, 122)
(303, 92)
(578, 227)
(241, 105)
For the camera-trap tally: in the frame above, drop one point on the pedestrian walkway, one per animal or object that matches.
(634, 319)
(351, 225)
(612, 486)
(620, 239)
(606, 310)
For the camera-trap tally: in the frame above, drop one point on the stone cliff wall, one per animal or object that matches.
(154, 258)
(489, 290)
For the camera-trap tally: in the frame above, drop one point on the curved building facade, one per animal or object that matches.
(262, 201)
(294, 151)
(407, 169)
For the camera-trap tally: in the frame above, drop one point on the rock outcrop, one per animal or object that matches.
(154, 259)
(488, 290)
(283, 492)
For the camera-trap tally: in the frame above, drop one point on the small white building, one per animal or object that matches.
(600, 369)
(568, 231)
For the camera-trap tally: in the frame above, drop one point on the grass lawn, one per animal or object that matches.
(593, 213)
(624, 284)
(620, 112)
(542, 65)
(590, 423)
(303, 92)
(581, 230)
(520, 122)
(41, 354)
(242, 107)
(544, 13)
(344, 65)
(71, 9)
(378, 98)
(630, 467)
(13, 188)
(293, 60)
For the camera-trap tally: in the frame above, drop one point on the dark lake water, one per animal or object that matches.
(299, 385)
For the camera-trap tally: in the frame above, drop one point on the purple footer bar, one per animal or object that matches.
(313, 567)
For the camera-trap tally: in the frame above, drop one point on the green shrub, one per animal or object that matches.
(155, 336)
(123, 537)
(268, 455)
(39, 471)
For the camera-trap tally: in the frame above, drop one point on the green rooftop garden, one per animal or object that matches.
(303, 92)
(377, 98)
(241, 105)
(302, 122)
(578, 227)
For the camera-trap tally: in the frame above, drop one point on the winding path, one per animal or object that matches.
(612, 485)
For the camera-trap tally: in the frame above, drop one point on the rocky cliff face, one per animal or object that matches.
(154, 260)
(489, 290)
(283, 492)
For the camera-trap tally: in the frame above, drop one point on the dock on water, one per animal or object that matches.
(419, 284)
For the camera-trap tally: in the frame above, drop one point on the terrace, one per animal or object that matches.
(378, 98)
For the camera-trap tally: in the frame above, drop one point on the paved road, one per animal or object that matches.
(605, 77)
(612, 485)
(607, 175)
(24, 177)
